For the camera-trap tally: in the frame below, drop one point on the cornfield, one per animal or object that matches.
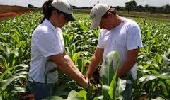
(153, 79)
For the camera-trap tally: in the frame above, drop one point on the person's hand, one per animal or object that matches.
(89, 86)
(85, 82)
(86, 78)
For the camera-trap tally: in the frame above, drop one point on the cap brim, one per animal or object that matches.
(71, 17)
(95, 23)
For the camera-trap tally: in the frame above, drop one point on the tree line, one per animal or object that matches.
(133, 6)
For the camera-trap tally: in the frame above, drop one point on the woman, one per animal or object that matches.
(47, 51)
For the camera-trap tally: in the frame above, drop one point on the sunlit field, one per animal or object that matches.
(153, 80)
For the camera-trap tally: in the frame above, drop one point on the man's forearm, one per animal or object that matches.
(129, 63)
(96, 58)
(92, 66)
(125, 68)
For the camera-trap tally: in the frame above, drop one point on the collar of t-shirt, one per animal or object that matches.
(120, 25)
(48, 23)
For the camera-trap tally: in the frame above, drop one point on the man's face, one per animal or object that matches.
(104, 23)
(107, 21)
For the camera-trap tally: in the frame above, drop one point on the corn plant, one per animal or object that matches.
(80, 43)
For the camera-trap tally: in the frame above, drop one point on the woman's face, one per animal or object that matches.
(59, 19)
(62, 19)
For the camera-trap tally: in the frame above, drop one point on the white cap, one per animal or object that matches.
(97, 12)
(62, 5)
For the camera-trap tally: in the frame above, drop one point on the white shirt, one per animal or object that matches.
(124, 37)
(46, 41)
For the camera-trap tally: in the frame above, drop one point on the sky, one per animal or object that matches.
(87, 3)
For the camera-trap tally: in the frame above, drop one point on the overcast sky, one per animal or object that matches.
(87, 3)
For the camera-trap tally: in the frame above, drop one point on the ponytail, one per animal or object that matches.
(47, 10)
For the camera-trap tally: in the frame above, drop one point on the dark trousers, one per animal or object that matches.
(41, 90)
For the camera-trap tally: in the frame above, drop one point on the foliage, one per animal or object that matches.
(80, 42)
(131, 5)
(30, 6)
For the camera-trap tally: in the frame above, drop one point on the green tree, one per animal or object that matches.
(166, 8)
(140, 8)
(30, 6)
(147, 7)
(130, 5)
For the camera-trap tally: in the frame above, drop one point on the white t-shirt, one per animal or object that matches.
(124, 37)
(46, 41)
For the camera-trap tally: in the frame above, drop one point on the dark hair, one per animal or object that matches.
(47, 10)
(111, 10)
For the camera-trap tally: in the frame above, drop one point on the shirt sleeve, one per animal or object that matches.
(49, 44)
(134, 37)
(101, 39)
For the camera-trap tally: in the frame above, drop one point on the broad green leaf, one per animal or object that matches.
(73, 95)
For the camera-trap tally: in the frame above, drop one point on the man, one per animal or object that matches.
(48, 53)
(119, 34)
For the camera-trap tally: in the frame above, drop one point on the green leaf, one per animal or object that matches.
(54, 98)
(113, 85)
(73, 95)
(108, 69)
(10, 80)
(147, 78)
(98, 98)
(18, 89)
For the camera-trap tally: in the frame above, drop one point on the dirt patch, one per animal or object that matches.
(7, 15)
(7, 11)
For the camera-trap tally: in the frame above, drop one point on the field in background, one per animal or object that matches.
(7, 11)
(132, 14)
(12, 11)
(80, 42)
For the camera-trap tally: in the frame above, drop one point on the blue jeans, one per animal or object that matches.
(127, 93)
(40, 90)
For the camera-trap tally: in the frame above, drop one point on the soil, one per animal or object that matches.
(7, 11)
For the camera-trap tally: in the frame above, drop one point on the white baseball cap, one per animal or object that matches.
(65, 7)
(96, 14)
